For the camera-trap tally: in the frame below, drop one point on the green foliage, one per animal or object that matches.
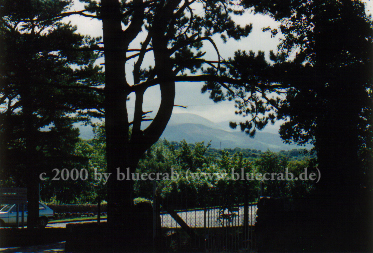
(301, 188)
(273, 163)
(215, 174)
(48, 82)
(280, 166)
(141, 200)
(192, 157)
(93, 160)
(209, 171)
(98, 145)
(318, 82)
(174, 35)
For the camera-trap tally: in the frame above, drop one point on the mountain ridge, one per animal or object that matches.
(194, 128)
(218, 138)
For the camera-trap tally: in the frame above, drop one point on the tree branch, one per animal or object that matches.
(136, 23)
(137, 119)
(100, 90)
(136, 69)
(204, 78)
(63, 15)
(191, 41)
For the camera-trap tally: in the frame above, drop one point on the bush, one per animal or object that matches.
(72, 211)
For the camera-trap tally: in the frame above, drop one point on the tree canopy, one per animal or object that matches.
(322, 80)
(172, 32)
(47, 78)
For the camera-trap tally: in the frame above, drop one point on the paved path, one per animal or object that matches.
(196, 219)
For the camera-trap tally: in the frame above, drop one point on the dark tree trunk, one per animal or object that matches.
(124, 151)
(116, 119)
(4, 140)
(31, 165)
(340, 92)
(337, 146)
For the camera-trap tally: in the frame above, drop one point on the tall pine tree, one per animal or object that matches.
(48, 76)
(172, 33)
(323, 76)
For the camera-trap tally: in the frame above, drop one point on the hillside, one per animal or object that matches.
(223, 139)
(193, 128)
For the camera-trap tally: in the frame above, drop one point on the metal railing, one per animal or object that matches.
(217, 227)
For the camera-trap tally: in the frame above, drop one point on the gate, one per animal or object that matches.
(207, 223)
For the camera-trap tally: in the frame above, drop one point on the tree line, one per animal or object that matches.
(321, 74)
(212, 169)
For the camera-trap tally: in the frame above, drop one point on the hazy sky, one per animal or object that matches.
(189, 94)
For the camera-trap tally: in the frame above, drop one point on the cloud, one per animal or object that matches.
(189, 94)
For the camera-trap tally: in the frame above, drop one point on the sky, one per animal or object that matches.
(189, 94)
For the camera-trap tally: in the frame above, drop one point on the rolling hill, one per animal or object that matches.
(193, 128)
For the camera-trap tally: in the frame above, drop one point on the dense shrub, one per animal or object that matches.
(71, 211)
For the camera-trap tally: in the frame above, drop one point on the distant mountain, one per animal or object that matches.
(218, 138)
(86, 132)
(194, 128)
(224, 125)
(183, 118)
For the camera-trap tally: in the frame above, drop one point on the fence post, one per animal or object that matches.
(23, 215)
(261, 188)
(17, 213)
(204, 218)
(155, 204)
(246, 210)
(246, 216)
(99, 210)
